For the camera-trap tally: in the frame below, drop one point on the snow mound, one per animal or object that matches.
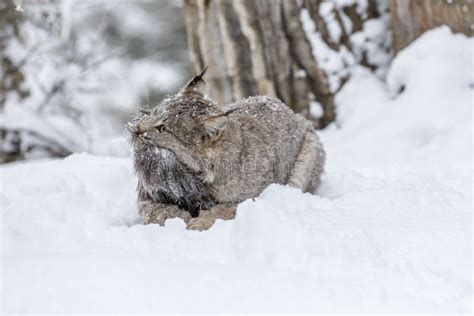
(390, 231)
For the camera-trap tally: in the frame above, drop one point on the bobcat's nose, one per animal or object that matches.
(139, 131)
(141, 128)
(142, 134)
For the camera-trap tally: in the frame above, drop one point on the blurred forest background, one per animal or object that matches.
(72, 72)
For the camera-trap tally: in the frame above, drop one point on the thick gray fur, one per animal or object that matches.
(194, 157)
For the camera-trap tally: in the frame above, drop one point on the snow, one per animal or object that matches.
(389, 231)
(315, 109)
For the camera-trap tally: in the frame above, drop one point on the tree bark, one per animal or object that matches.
(410, 19)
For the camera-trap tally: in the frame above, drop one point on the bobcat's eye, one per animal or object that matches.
(161, 128)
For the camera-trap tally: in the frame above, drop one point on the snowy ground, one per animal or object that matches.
(390, 231)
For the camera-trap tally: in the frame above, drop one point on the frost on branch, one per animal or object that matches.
(41, 73)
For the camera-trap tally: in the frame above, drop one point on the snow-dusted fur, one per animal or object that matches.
(192, 155)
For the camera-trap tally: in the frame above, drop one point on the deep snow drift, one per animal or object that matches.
(389, 231)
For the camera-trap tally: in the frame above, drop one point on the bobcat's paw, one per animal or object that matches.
(224, 211)
(156, 217)
(203, 222)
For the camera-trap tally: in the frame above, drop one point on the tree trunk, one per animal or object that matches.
(247, 46)
(263, 47)
(410, 19)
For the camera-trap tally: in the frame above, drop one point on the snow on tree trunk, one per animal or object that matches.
(299, 51)
(410, 19)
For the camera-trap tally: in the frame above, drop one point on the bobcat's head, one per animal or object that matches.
(184, 125)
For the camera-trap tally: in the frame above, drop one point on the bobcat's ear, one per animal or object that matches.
(214, 126)
(196, 84)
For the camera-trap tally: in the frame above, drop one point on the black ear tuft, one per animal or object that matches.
(197, 78)
(196, 83)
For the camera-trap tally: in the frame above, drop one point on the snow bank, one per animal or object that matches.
(390, 230)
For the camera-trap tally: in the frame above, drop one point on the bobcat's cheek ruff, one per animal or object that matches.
(167, 180)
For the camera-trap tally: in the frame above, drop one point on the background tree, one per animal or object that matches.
(410, 19)
(72, 72)
(303, 51)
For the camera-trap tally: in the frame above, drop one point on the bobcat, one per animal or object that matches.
(197, 160)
